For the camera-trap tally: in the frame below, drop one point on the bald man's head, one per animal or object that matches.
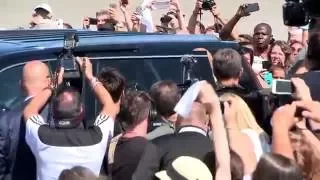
(198, 112)
(198, 117)
(35, 77)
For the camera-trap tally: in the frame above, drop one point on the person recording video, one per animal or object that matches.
(103, 21)
(67, 144)
(173, 21)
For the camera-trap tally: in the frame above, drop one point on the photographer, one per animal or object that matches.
(173, 22)
(103, 21)
(67, 144)
(206, 5)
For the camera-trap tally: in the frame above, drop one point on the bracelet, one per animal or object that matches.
(94, 82)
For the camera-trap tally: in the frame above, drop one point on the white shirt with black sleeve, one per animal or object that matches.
(59, 149)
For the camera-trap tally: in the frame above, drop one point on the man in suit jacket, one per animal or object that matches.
(16, 159)
(190, 139)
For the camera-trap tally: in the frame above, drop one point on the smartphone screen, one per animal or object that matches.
(268, 78)
(161, 4)
(252, 7)
(282, 87)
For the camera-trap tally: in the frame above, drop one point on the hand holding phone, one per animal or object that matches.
(252, 7)
(282, 87)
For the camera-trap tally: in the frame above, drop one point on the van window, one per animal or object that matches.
(10, 91)
(145, 72)
(11, 94)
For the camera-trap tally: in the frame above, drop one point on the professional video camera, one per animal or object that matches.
(72, 74)
(208, 4)
(300, 12)
(188, 76)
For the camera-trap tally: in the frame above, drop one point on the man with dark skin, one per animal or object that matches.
(262, 38)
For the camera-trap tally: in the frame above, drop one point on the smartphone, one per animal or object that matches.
(161, 4)
(124, 2)
(268, 78)
(266, 65)
(252, 7)
(282, 87)
(113, 5)
(93, 21)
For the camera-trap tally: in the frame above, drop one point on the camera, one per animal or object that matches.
(188, 75)
(208, 4)
(165, 19)
(72, 74)
(67, 59)
(300, 12)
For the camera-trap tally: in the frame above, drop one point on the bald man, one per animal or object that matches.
(16, 160)
(35, 77)
(190, 139)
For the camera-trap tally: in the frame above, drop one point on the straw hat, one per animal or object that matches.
(186, 167)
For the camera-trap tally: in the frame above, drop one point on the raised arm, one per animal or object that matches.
(282, 121)
(40, 100)
(227, 31)
(182, 24)
(108, 106)
(193, 18)
(220, 140)
(37, 103)
(126, 15)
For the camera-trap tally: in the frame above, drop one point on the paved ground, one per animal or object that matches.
(17, 12)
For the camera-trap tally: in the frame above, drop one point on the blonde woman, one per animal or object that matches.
(246, 137)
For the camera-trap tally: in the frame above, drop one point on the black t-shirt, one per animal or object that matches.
(127, 156)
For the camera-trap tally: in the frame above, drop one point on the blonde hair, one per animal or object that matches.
(244, 117)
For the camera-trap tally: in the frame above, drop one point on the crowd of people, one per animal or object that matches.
(269, 58)
(208, 132)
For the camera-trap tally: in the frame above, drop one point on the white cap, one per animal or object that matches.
(44, 6)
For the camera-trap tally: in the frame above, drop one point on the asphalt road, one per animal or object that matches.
(16, 13)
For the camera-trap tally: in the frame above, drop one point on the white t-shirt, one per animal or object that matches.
(59, 149)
